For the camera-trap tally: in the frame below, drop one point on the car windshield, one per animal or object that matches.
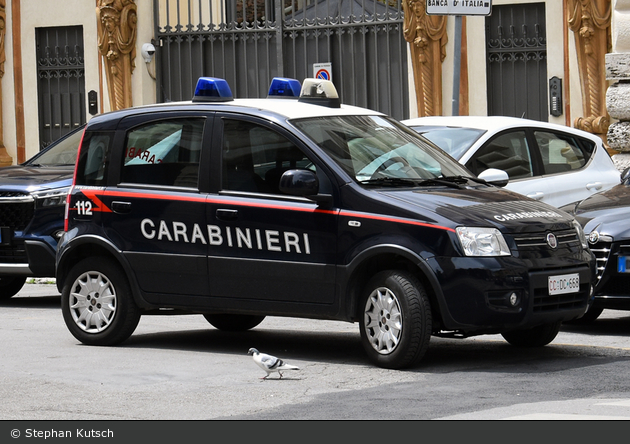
(453, 140)
(372, 148)
(61, 152)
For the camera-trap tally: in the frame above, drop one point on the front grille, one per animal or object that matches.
(537, 240)
(543, 302)
(16, 210)
(13, 254)
(601, 250)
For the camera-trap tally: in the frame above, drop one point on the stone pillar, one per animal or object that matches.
(618, 94)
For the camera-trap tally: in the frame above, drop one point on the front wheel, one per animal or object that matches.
(97, 304)
(233, 322)
(396, 320)
(534, 337)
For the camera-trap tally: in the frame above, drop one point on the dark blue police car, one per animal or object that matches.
(32, 201)
(242, 208)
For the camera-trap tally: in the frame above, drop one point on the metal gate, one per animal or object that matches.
(61, 81)
(517, 61)
(248, 42)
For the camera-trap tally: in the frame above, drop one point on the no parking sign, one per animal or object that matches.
(322, 71)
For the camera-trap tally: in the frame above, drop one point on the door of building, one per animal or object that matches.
(516, 48)
(60, 81)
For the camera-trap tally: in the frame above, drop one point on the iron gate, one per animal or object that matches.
(517, 61)
(61, 81)
(248, 42)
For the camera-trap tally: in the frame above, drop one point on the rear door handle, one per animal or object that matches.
(225, 214)
(121, 207)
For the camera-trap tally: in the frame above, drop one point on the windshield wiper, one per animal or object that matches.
(448, 181)
(389, 181)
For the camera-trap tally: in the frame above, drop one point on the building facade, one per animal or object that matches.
(63, 62)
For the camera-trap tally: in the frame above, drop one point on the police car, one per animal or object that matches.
(296, 205)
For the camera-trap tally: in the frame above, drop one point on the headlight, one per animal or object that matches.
(580, 234)
(51, 198)
(482, 241)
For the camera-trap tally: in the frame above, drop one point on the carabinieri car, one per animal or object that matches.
(300, 206)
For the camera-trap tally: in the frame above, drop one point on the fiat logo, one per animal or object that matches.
(551, 240)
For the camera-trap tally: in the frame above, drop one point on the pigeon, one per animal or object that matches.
(270, 363)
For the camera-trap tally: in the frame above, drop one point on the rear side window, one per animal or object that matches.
(561, 153)
(164, 153)
(93, 158)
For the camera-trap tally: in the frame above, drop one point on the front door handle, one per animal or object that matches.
(121, 207)
(594, 185)
(226, 215)
(537, 195)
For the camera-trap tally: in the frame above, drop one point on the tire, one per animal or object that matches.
(10, 286)
(233, 322)
(534, 337)
(589, 317)
(396, 320)
(97, 304)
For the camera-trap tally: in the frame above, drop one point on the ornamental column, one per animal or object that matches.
(117, 30)
(618, 94)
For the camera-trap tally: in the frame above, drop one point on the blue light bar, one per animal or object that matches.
(211, 89)
(284, 87)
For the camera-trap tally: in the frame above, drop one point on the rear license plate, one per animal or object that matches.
(566, 283)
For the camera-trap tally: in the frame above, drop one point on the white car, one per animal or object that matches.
(551, 163)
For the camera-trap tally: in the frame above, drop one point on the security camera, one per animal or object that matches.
(148, 50)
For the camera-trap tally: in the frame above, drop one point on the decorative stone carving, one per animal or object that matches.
(618, 94)
(590, 22)
(427, 39)
(5, 159)
(117, 32)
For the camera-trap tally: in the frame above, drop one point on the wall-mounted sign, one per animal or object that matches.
(322, 71)
(459, 7)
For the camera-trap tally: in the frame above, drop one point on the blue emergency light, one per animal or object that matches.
(211, 89)
(284, 87)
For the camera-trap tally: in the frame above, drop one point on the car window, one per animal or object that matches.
(373, 147)
(561, 153)
(92, 163)
(62, 152)
(455, 141)
(255, 157)
(508, 152)
(164, 153)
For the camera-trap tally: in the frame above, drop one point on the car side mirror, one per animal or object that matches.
(304, 183)
(495, 177)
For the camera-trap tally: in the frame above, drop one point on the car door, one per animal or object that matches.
(513, 152)
(157, 215)
(266, 246)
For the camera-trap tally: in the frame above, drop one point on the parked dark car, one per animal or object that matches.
(605, 217)
(32, 203)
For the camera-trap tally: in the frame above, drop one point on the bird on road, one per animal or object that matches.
(270, 363)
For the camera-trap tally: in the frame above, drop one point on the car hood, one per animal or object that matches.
(607, 212)
(33, 178)
(505, 210)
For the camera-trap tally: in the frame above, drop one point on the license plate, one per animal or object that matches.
(622, 264)
(566, 283)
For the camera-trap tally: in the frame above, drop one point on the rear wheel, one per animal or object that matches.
(97, 304)
(396, 320)
(533, 337)
(10, 286)
(233, 322)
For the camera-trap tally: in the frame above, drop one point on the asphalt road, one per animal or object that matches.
(181, 368)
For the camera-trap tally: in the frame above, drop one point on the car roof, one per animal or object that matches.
(282, 108)
(493, 123)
